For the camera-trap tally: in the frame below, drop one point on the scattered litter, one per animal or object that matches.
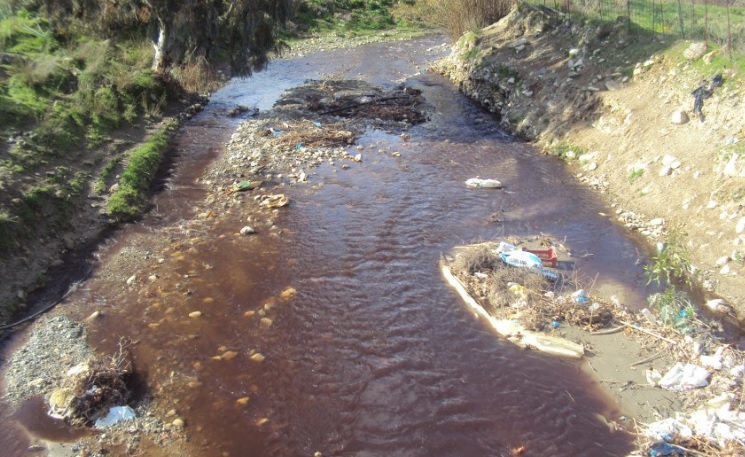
(485, 183)
(580, 296)
(274, 201)
(114, 416)
(685, 377)
(665, 448)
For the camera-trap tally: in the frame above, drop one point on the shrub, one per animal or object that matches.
(671, 262)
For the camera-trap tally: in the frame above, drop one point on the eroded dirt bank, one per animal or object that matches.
(623, 120)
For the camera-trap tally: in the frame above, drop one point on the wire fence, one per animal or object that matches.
(721, 22)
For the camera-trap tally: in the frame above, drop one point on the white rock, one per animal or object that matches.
(358, 158)
(725, 270)
(656, 222)
(667, 159)
(740, 225)
(588, 156)
(666, 170)
(592, 166)
(679, 117)
(573, 52)
(247, 230)
(722, 261)
(648, 63)
(131, 280)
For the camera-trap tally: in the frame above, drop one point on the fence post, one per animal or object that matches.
(628, 17)
(729, 33)
(680, 18)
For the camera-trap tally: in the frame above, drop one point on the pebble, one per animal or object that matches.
(131, 280)
(722, 261)
(178, 423)
(266, 322)
(258, 357)
(247, 230)
(195, 314)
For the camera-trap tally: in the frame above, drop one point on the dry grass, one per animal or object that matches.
(104, 385)
(308, 134)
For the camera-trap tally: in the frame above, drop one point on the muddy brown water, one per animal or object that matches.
(373, 355)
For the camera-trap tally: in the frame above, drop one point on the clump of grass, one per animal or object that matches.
(106, 174)
(566, 151)
(129, 200)
(635, 174)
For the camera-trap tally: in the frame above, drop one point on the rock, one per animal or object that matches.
(656, 222)
(740, 225)
(131, 280)
(266, 322)
(588, 156)
(725, 270)
(722, 261)
(247, 230)
(258, 357)
(648, 63)
(679, 117)
(695, 50)
(243, 401)
(178, 423)
(195, 314)
(592, 166)
(358, 158)
(666, 170)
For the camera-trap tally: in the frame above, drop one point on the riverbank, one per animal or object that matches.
(622, 120)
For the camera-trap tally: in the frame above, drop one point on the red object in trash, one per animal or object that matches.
(547, 256)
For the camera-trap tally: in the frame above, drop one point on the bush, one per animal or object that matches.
(457, 17)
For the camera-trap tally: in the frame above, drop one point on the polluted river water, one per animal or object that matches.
(331, 330)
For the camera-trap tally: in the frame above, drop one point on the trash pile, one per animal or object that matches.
(356, 99)
(526, 280)
(702, 367)
(95, 394)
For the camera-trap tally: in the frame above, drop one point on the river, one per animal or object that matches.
(367, 352)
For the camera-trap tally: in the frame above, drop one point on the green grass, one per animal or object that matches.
(635, 174)
(106, 174)
(346, 16)
(565, 150)
(129, 200)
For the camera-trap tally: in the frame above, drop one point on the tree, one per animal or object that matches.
(241, 32)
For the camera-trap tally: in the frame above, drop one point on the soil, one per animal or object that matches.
(626, 125)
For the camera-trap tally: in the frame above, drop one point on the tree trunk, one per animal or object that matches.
(159, 60)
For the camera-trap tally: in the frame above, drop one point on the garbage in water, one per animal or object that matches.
(665, 448)
(549, 257)
(114, 416)
(580, 296)
(244, 186)
(521, 259)
(274, 201)
(485, 183)
(524, 259)
(685, 377)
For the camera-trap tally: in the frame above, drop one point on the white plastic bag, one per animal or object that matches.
(685, 377)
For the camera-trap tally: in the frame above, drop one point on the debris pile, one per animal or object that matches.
(90, 390)
(702, 366)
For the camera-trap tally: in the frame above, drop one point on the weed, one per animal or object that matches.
(635, 174)
(673, 308)
(671, 262)
(566, 151)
